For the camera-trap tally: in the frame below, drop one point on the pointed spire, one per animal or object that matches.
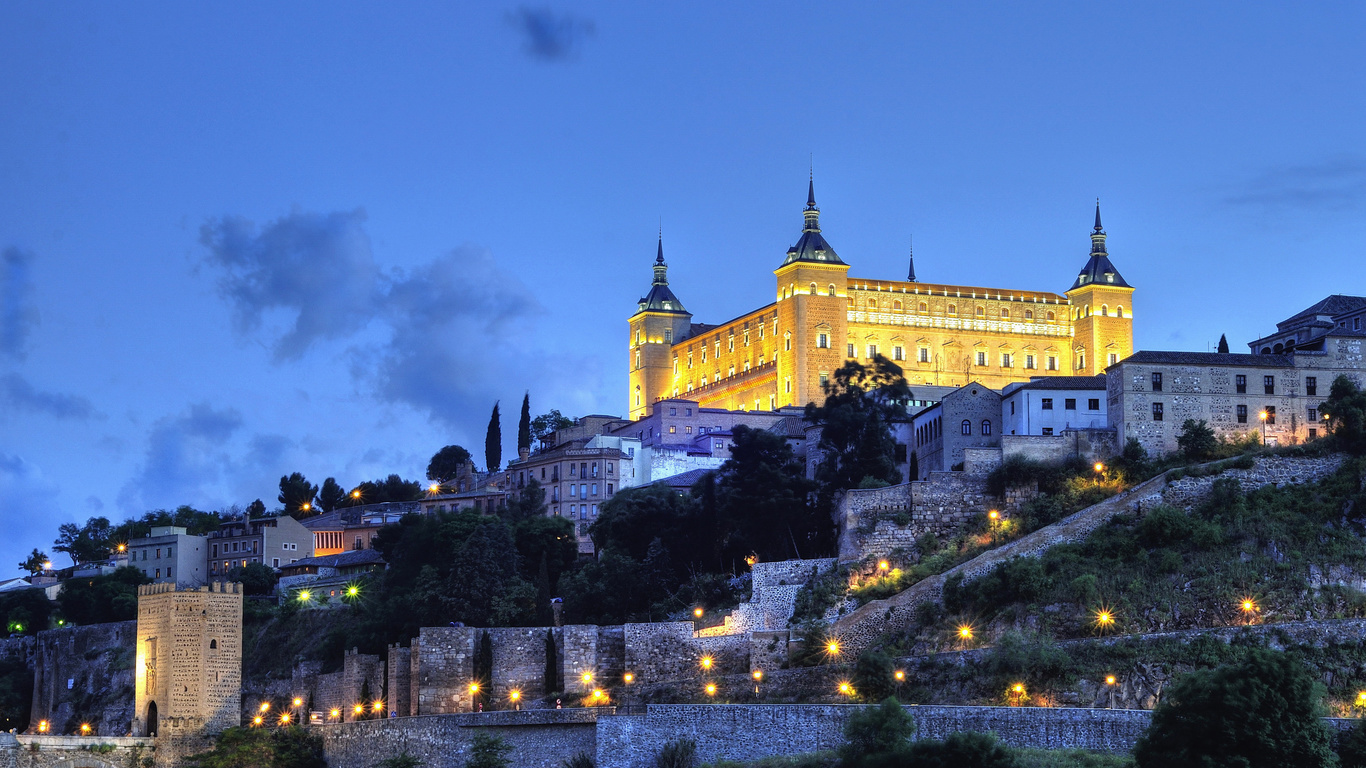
(659, 259)
(1098, 228)
(910, 277)
(811, 193)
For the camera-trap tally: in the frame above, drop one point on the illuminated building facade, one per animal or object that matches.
(942, 335)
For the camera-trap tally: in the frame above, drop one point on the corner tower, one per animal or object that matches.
(188, 667)
(659, 321)
(1102, 311)
(812, 311)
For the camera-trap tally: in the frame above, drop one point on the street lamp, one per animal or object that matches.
(1110, 682)
(515, 696)
(1263, 416)
(758, 676)
(706, 662)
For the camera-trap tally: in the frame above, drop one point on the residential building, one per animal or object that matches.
(275, 541)
(969, 417)
(940, 334)
(355, 528)
(1047, 406)
(1151, 394)
(1307, 330)
(169, 555)
(328, 577)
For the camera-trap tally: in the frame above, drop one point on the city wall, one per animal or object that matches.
(84, 675)
(539, 739)
(1089, 444)
(26, 751)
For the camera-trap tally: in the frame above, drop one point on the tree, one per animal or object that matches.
(488, 752)
(16, 692)
(256, 578)
(291, 747)
(552, 663)
(102, 599)
(297, 495)
(332, 495)
(36, 562)
(1223, 344)
(762, 501)
(24, 612)
(404, 760)
(493, 442)
(876, 730)
(1345, 410)
(446, 463)
(524, 425)
(545, 539)
(256, 510)
(84, 543)
(389, 489)
(856, 438)
(483, 668)
(549, 423)
(1262, 711)
(964, 749)
(1196, 440)
(528, 502)
(1351, 746)
(873, 676)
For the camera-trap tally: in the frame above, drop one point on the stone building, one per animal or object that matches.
(1306, 330)
(1151, 394)
(169, 555)
(969, 417)
(188, 662)
(274, 541)
(944, 335)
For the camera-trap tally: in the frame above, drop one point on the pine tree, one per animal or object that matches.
(524, 425)
(1223, 344)
(493, 442)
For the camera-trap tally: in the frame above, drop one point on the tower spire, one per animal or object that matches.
(811, 192)
(1098, 234)
(659, 258)
(910, 277)
(1098, 227)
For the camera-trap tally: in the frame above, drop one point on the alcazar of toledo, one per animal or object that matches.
(943, 335)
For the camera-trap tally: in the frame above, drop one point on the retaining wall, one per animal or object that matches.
(539, 739)
(73, 751)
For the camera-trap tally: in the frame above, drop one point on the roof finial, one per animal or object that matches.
(1097, 214)
(811, 192)
(911, 276)
(659, 259)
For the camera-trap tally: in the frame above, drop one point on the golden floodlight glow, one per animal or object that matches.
(305, 595)
(306, 506)
(434, 487)
(711, 689)
(629, 678)
(1104, 619)
(265, 706)
(358, 709)
(42, 726)
(474, 688)
(598, 694)
(900, 675)
(256, 720)
(587, 678)
(846, 689)
(298, 702)
(284, 718)
(994, 515)
(965, 632)
(1017, 688)
(706, 662)
(379, 704)
(335, 713)
(514, 694)
(1262, 415)
(1100, 467)
(1248, 605)
(355, 494)
(697, 612)
(883, 565)
(758, 674)
(85, 727)
(1361, 700)
(123, 547)
(832, 648)
(1110, 680)
(352, 591)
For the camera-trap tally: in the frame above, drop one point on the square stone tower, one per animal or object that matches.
(188, 668)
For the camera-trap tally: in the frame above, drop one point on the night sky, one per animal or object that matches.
(243, 239)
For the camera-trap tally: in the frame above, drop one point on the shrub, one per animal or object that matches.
(580, 760)
(677, 754)
(964, 749)
(1351, 746)
(873, 675)
(404, 760)
(1165, 525)
(1196, 439)
(876, 730)
(488, 752)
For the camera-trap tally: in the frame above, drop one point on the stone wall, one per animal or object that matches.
(1089, 444)
(445, 666)
(398, 687)
(1273, 470)
(752, 732)
(361, 673)
(84, 675)
(670, 651)
(25, 751)
(539, 739)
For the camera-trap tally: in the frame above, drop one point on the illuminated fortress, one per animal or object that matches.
(947, 335)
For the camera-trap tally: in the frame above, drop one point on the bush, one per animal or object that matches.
(488, 752)
(291, 747)
(1351, 746)
(580, 760)
(1196, 439)
(883, 729)
(404, 760)
(873, 680)
(677, 754)
(964, 749)
(1262, 711)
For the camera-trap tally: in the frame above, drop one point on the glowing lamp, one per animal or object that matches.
(706, 662)
(697, 612)
(256, 720)
(85, 728)
(334, 714)
(1017, 689)
(994, 515)
(515, 695)
(598, 694)
(42, 726)
(883, 565)
(758, 674)
(1110, 680)
(352, 591)
(711, 689)
(434, 487)
(832, 648)
(587, 678)
(284, 718)
(628, 678)
(265, 706)
(298, 702)
(965, 632)
(900, 675)
(305, 596)
(305, 506)
(355, 494)
(474, 688)
(1100, 467)
(358, 709)
(846, 689)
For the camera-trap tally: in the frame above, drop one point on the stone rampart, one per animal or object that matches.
(670, 651)
(398, 686)
(1089, 444)
(1188, 491)
(752, 732)
(539, 739)
(38, 751)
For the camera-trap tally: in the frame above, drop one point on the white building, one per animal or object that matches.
(1047, 406)
(171, 556)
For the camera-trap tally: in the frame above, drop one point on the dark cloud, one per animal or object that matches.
(20, 395)
(315, 270)
(455, 331)
(1336, 183)
(17, 314)
(548, 35)
(186, 460)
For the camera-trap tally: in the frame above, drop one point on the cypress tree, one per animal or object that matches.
(1223, 344)
(552, 663)
(914, 469)
(543, 613)
(483, 667)
(493, 442)
(524, 425)
(364, 698)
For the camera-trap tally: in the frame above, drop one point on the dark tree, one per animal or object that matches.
(446, 463)
(16, 693)
(24, 612)
(256, 578)
(391, 488)
(85, 543)
(1345, 410)
(873, 676)
(878, 730)
(762, 501)
(552, 663)
(488, 752)
(528, 502)
(35, 562)
(493, 442)
(1223, 344)
(1196, 439)
(1259, 713)
(256, 510)
(548, 423)
(524, 425)
(549, 539)
(102, 599)
(856, 439)
(332, 495)
(297, 495)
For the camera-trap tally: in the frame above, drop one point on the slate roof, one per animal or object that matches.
(348, 559)
(1098, 265)
(661, 298)
(685, 480)
(1209, 358)
(811, 246)
(1337, 304)
(1066, 382)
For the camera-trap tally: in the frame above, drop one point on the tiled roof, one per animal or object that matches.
(1209, 358)
(341, 560)
(685, 480)
(1334, 305)
(1066, 382)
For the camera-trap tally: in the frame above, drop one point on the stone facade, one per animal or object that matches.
(1188, 491)
(36, 751)
(940, 334)
(539, 739)
(399, 674)
(1088, 444)
(188, 666)
(944, 433)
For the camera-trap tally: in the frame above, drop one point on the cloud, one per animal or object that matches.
(27, 503)
(316, 270)
(1338, 182)
(19, 394)
(185, 462)
(17, 315)
(548, 35)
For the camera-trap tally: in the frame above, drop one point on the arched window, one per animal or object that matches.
(1005, 312)
(872, 304)
(213, 644)
(813, 289)
(953, 309)
(1086, 311)
(986, 426)
(896, 306)
(1119, 311)
(832, 290)
(1052, 316)
(787, 340)
(924, 307)
(967, 427)
(981, 312)
(1104, 310)
(1029, 314)
(638, 393)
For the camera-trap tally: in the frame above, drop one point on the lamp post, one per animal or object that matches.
(1262, 416)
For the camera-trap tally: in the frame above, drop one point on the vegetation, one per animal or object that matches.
(36, 562)
(100, 599)
(548, 423)
(403, 760)
(24, 612)
(1345, 410)
(488, 752)
(677, 754)
(871, 733)
(856, 439)
(16, 693)
(579, 760)
(298, 496)
(446, 464)
(1261, 712)
(292, 747)
(524, 425)
(1196, 440)
(493, 442)
(256, 578)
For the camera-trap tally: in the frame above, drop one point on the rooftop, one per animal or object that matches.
(1209, 358)
(1062, 382)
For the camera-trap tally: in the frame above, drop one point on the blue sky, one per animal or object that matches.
(243, 239)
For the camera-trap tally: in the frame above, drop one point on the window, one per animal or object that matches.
(672, 429)
(896, 306)
(668, 336)
(1313, 433)
(986, 426)
(215, 550)
(898, 354)
(275, 561)
(924, 354)
(1157, 382)
(1006, 360)
(966, 426)
(953, 309)
(1069, 404)
(1052, 316)
(158, 553)
(1157, 411)
(981, 311)
(1093, 404)
(872, 304)
(830, 292)
(1240, 381)
(1313, 415)
(981, 358)
(730, 343)
(1242, 414)
(609, 489)
(1029, 314)
(812, 291)
(673, 411)
(1012, 407)
(1269, 384)
(1104, 311)
(1029, 361)
(1311, 385)
(1270, 414)
(1052, 363)
(1005, 313)
(573, 491)
(924, 307)
(822, 341)
(158, 573)
(595, 489)
(787, 384)
(1046, 404)
(872, 351)
(787, 340)
(1081, 361)
(850, 351)
(825, 380)
(1047, 431)
(1114, 358)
